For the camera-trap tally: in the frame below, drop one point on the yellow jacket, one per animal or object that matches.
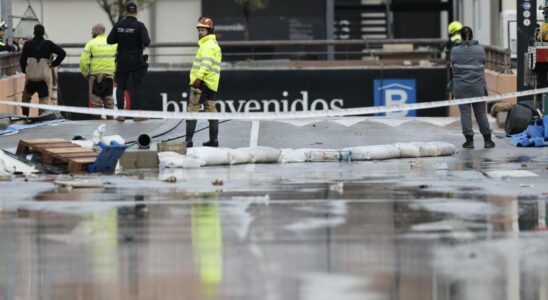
(207, 65)
(98, 57)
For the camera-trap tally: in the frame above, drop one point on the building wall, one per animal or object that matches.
(70, 21)
(478, 15)
(509, 4)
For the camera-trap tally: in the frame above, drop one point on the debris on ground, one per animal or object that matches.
(79, 184)
(13, 166)
(171, 179)
(217, 182)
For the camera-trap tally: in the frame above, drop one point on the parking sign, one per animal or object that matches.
(390, 92)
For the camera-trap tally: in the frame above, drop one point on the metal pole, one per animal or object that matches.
(388, 12)
(330, 27)
(526, 20)
(42, 11)
(153, 28)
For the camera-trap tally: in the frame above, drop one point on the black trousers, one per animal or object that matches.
(136, 92)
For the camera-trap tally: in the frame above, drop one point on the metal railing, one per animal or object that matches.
(9, 63)
(498, 59)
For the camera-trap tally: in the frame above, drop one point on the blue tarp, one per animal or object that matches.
(12, 129)
(536, 135)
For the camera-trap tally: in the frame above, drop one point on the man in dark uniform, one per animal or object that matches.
(132, 38)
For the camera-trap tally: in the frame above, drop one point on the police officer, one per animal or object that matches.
(97, 64)
(3, 46)
(204, 80)
(132, 38)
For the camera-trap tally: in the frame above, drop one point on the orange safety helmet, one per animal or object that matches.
(205, 22)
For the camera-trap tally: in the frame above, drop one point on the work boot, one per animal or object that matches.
(469, 142)
(190, 128)
(120, 118)
(488, 143)
(213, 133)
(211, 144)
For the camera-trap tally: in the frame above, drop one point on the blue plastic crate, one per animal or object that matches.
(108, 158)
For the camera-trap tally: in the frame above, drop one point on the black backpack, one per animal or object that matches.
(520, 116)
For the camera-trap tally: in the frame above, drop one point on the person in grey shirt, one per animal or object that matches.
(468, 69)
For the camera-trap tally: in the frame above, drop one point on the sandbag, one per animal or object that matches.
(428, 149)
(374, 152)
(408, 150)
(171, 159)
(292, 156)
(321, 155)
(265, 155)
(445, 149)
(240, 156)
(211, 156)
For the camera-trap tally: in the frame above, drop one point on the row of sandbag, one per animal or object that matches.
(207, 156)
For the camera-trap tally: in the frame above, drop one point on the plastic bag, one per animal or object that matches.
(116, 138)
(98, 134)
(12, 165)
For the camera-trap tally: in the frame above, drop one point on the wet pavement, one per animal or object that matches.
(469, 226)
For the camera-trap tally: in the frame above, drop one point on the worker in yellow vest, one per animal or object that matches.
(3, 46)
(204, 80)
(98, 65)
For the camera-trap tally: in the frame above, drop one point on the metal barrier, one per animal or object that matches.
(308, 49)
(498, 59)
(9, 63)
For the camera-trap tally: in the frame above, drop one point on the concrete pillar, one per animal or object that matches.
(7, 16)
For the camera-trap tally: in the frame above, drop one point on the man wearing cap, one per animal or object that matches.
(204, 80)
(3, 46)
(132, 38)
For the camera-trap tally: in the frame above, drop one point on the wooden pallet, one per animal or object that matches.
(58, 152)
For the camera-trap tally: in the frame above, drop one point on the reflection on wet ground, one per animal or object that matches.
(404, 229)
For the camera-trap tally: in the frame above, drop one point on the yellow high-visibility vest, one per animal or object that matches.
(98, 57)
(207, 65)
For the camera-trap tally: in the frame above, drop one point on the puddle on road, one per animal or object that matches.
(391, 238)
